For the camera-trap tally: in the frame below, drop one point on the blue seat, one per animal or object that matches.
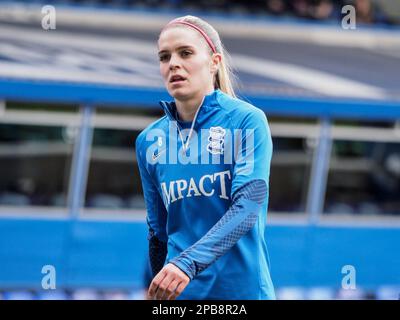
(14, 199)
(107, 201)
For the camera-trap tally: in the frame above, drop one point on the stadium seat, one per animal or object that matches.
(340, 208)
(135, 202)
(14, 199)
(59, 200)
(106, 201)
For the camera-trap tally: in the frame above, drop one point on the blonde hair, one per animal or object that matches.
(224, 77)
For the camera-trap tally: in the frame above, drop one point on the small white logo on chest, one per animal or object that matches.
(159, 151)
(216, 140)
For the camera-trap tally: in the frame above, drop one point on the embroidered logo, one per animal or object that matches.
(157, 154)
(216, 140)
(159, 151)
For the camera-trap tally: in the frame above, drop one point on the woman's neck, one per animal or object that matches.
(187, 108)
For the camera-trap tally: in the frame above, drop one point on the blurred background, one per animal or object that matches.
(74, 98)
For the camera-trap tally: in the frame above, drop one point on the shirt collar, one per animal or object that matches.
(170, 107)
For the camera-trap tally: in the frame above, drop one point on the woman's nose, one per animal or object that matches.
(173, 62)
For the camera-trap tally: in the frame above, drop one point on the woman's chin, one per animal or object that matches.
(179, 93)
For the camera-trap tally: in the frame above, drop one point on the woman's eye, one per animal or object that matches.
(163, 57)
(186, 53)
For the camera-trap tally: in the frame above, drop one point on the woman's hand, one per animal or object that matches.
(168, 283)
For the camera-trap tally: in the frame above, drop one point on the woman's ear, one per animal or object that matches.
(215, 62)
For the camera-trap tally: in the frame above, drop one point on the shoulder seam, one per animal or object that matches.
(226, 112)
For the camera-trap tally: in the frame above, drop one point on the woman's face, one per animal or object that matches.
(185, 63)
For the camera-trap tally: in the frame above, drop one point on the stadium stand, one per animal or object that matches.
(74, 99)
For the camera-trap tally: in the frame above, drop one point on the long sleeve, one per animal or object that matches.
(236, 222)
(156, 214)
(249, 193)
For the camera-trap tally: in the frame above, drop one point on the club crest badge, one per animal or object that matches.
(216, 140)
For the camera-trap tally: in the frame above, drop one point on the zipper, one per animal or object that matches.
(185, 145)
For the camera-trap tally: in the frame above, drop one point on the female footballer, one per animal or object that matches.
(205, 174)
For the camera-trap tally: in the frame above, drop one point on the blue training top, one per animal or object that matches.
(205, 185)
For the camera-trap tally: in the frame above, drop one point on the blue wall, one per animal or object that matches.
(95, 254)
(314, 256)
(113, 254)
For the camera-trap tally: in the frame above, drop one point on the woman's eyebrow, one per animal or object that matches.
(178, 48)
(162, 51)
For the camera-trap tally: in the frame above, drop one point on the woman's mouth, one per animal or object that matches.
(176, 79)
